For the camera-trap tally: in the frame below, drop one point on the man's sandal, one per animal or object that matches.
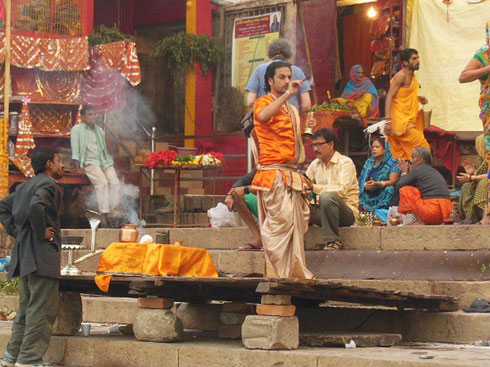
(250, 247)
(332, 246)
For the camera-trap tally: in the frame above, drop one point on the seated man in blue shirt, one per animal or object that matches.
(89, 152)
(279, 50)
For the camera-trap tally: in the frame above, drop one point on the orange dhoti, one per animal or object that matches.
(283, 209)
(407, 122)
(430, 211)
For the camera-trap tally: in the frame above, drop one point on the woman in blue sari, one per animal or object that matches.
(377, 179)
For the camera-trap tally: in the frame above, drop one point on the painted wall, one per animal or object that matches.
(158, 11)
(320, 18)
(357, 40)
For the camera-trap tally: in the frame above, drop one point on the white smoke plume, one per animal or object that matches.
(127, 211)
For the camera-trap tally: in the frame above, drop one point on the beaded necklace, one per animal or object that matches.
(284, 106)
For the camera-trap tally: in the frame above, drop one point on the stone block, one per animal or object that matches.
(241, 263)
(212, 238)
(109, 309)
(232, 318)
(270, 332)
(157, 325)
(161, 303)
(269, 299)
(276, 310)
(239, 307)
(199, 316)
(69, 316)
(230, 331)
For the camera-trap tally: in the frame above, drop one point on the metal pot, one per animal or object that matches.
(128, 233)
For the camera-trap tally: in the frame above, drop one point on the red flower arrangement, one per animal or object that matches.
(217, 155)
(161, 158)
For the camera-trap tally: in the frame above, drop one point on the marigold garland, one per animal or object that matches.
(170, 158)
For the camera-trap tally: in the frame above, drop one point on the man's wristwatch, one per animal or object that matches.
(246, 189)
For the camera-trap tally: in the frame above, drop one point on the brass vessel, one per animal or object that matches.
(128, 233)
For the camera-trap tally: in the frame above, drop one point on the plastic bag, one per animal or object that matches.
(220, 216)
(392, 212)
(406, 219)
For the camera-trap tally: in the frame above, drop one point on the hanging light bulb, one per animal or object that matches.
(371, 12)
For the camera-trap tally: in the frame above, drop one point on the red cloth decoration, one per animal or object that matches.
(122, 56)
(442, 144)
(102, 88)
(2, 9)
(25, 142)
(48, 54)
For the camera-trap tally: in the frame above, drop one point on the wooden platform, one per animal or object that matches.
(189, 289)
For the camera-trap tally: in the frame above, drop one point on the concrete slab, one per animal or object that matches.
(245, 262)
(470, 237)
(123, 351)
(94, 309)
(444, 327)
(354, 238)
(340, 339)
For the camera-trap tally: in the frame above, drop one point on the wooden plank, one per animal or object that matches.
(250, 290)
(321, 290)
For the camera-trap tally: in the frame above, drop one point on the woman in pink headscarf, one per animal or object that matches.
(360, 93)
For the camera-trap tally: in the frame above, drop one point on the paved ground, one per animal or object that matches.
(104, 350)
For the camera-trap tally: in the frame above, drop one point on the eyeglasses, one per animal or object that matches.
(318, 145)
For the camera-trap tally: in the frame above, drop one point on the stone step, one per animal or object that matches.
(456, 238)
(125, 351)
(95, 309)
(198, 219)
(354, 238)
(350, 265)
(202, 202)
(446, 327)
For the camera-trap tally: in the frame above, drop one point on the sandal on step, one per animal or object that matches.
(250, 247)
(334, 245)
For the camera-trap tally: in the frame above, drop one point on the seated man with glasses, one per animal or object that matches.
(333, 179)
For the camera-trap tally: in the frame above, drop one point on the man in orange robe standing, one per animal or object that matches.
(405, 127)
(281, 189)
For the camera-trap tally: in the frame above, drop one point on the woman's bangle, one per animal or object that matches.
(471, 178)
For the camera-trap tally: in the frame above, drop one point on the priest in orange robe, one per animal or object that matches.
(405, 127)
(282, 191)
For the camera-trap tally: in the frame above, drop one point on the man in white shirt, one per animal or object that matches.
(90, 155)
(333, 179)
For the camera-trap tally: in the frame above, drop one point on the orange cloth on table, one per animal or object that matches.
(430, 211)
(407, 122)
(277, 141)
(153, 259)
